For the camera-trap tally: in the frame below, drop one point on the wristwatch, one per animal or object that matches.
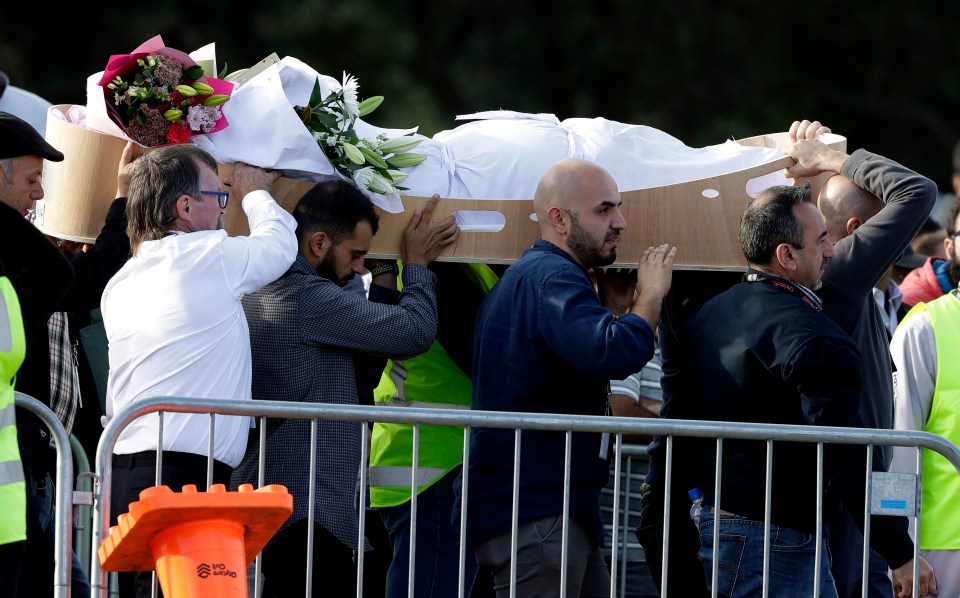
(388, 268)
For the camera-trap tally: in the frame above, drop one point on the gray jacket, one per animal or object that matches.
(306, 334)
(861, 259)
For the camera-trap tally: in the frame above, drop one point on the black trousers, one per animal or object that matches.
(284, 564)
(685, 573)
(134, 473)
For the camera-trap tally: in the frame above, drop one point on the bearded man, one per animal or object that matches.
(544, 343)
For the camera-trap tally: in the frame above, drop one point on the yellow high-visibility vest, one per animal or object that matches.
(13, 489)
(428, 380)
(939, 524)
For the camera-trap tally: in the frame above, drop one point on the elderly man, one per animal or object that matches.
(173, 316)
(34, 275)
(310, 338)
(544, 343)
(787, 349)
(49, 372)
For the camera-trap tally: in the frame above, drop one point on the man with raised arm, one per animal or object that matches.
(173, 316)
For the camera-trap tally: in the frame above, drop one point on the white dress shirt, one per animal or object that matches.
(889, 303)
(176, 327)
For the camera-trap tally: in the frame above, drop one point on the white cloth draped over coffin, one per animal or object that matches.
(498, 155)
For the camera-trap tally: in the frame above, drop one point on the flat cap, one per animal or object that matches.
(17, 138)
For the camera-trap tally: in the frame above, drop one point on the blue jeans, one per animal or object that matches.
(437, 564)
(846, 553)
(36, 575)
(740, 555)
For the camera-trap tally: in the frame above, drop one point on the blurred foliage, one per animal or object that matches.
(882, 74)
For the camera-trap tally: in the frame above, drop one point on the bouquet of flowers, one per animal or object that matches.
(372, 163)
(159, 95)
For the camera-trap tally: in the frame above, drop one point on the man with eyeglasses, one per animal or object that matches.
(173, 316)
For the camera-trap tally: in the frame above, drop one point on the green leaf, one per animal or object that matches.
(223, 72)
(194, 72)
(370, 104)
(317, 95)
(325, 119)
(373, 158)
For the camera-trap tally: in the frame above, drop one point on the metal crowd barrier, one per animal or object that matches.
(616, 426)
(633, 579)
(63, 509)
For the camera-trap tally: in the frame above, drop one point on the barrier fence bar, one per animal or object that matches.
(63, 499)
(482, 419)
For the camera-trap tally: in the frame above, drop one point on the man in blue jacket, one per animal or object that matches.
(544, 343)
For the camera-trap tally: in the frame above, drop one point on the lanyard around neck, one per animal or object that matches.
(808, 296)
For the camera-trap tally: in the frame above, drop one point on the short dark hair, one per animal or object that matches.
(159, 178)
(769, 221)
(954, 214)
(334, 207)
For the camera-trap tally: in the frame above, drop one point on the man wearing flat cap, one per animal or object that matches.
(49, 371)
(22, 152)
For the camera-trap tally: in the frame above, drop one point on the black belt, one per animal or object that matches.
(174, 458)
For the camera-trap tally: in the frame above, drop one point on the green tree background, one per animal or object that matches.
(883, 74)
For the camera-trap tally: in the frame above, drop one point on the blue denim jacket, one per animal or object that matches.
(543, 343)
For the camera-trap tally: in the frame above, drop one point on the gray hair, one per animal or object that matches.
(159, 178)
(6, 167)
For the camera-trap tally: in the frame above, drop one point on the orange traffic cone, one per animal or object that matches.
(200, 543)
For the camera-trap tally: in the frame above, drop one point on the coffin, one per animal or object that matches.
(700, 217)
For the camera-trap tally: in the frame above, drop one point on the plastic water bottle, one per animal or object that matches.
(697, 497)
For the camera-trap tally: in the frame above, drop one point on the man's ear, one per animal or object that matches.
(318, 243)
(786, 257)
(558, 219)
(852, 225)
(181, 207)
(949, 247)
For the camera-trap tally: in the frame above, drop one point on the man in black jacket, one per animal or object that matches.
(22, 152)
(763, 352)
(39, 275)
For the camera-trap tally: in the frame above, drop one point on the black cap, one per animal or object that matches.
(910, 259)
(17, 138)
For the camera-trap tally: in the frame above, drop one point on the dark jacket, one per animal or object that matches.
(774, 360)
(40, 275)
(544, 344)
(89, 273)
(306, 335)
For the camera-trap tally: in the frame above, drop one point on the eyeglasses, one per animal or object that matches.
(222, 197)
(955, 235)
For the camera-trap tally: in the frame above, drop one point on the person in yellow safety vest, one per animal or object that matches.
(13, 488)
(440, 378)
(927, 397)
(34, 275)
